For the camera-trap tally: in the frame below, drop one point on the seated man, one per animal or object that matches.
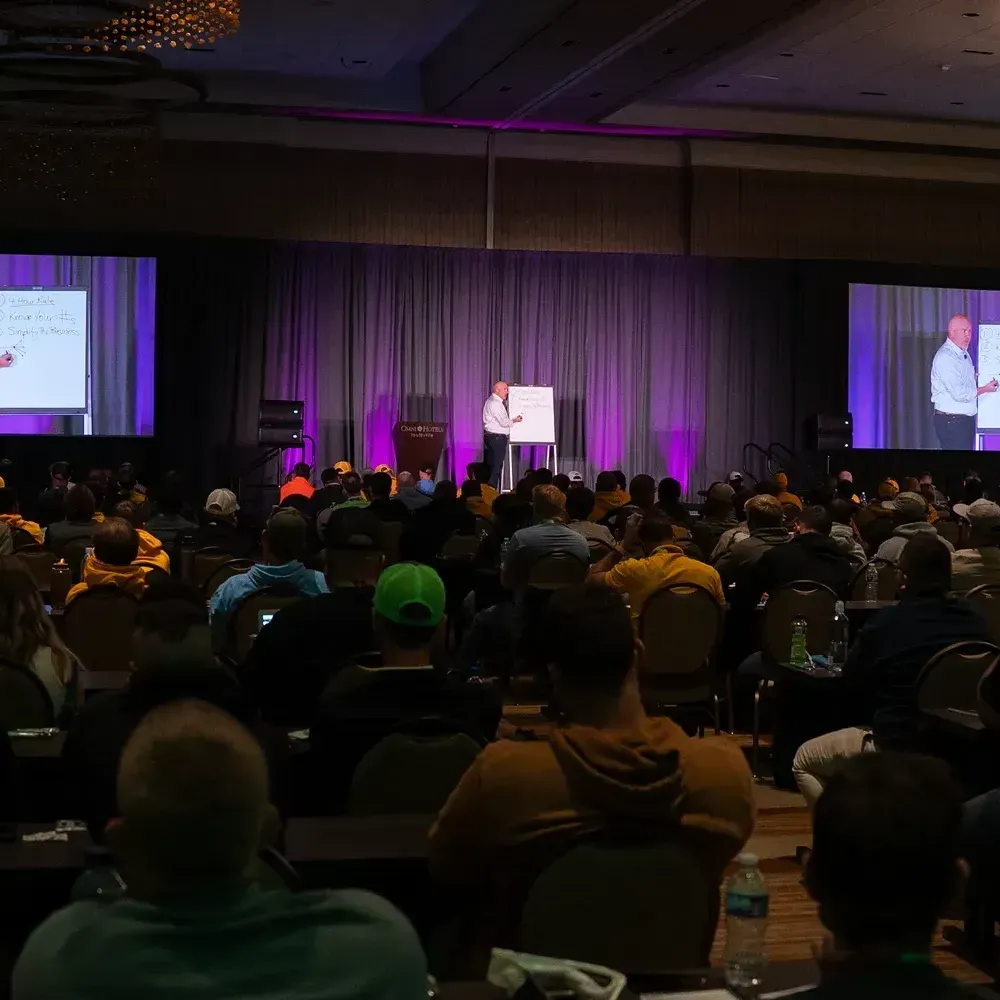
(910, 513)
(431, 526)
(480, 472)
(608, 496)
(51, 500)
(408, 494)
(668, 499)
(330, 494)
(882, 818)
(663, 565)
(298, 483)
(383, 505)
(605, 764)
(150, 547)
(113, 561)
(284, 543)
(472, 497)
(193, 795)
(352, 518)
(168, 522)
(219, 528)
(77, 524)
(718, 515)
(766, 524)
(980, 562)
(362, 705)
(11, 516)
(579, 504)
(841, 531)
(886, 659)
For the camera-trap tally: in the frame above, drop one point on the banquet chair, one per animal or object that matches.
(207, 562)
(951, 678)
(889, 581)
(74, 553)
(460, 546)
(357, 566)
(986, 600)
(604, 903)
(410, 773)
(244, 619)
(39, 562)
(97, 626)
(680, 628)
(24, 701)
(392, 534)
(21, 539)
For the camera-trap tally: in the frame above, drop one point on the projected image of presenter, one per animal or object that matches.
(497, 423)
(954, 389)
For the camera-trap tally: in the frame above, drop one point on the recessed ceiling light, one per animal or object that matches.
(722, 85)
(971, 13)
(872, 93)
(787, 55)
(977, 52)
(956, 103)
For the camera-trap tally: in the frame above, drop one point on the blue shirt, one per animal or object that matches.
(528, 545)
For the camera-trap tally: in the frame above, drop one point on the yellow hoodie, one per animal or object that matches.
(151, 551)
(607, 501)
(131, 579)
(14, 521)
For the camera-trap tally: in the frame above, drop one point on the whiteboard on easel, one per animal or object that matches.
(536, 404)
(988, 414)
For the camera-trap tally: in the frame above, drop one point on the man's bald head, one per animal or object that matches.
(960, 331)
(192, 795)
(501, 389)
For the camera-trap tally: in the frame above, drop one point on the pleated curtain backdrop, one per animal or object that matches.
(664, 365)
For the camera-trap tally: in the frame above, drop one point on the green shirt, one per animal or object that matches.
(253, 945)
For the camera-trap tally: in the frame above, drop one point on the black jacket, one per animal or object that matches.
(806, 557)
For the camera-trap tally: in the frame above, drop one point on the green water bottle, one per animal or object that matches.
(798, 657)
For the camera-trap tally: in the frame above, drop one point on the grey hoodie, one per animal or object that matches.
(847, 543)
(892, 548)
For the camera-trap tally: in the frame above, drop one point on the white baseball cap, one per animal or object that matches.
(575, 477)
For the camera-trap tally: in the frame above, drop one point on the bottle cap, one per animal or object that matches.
(748, 859)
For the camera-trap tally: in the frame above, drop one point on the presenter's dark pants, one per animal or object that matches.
(494, 455)
(955, 431)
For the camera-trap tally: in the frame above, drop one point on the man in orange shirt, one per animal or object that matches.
(298, 484)
(664, 564)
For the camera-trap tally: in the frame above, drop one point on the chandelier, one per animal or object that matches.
(168, 24)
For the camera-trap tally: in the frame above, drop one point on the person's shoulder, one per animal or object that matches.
(50, 956)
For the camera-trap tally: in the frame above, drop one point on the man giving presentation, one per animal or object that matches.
(954, 391)
(497, 423)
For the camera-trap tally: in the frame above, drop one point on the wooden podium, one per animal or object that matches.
(418, 442)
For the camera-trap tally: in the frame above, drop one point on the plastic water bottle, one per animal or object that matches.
(839, 637)
(871, 582)
(746, 926)
(798, 656)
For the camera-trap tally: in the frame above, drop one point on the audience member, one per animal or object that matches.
(765, 523)
(608, 496)
(330, 493)
(383, 505)
(150, 547)
(784, 497)
(220, 527)
(979, 563)
(575, 478)
(717, 516)
(193, 794)
(284, 544)
(741, 490)
(642, 494)
(881, 819)
(936, 496)
(98, 483)
(10, 514)
(472, 497)
(77, 524)
(50, 500)
(605, 766)
(28, 637)
(168, 523)
(543, 477)
(579, 504)
(910, 520)
(408, 494)
(433, 525)
(362, 705)
(480, 472)
(383, 468)
(886, 659)
(561, 482)
(112, 563)
(426, 472)
(352, 520)
(126, 487)
(664, 564)
(621, 482)
(842, 530)
(297, 483)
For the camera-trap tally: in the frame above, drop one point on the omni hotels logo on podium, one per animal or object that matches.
(422, 430)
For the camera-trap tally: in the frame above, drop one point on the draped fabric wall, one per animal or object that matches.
(663, 365)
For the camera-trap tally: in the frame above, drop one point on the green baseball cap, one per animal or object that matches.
(410, 594)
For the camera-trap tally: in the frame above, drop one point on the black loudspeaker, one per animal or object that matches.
(829, 433)
(279, 423)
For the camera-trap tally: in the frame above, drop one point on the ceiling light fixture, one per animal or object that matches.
(722, 85)
(173, 24)
(872, 93)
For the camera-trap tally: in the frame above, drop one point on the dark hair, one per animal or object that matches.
(301, 469)
(543, 477)
(97, 483)
(170, 497)
(656, 529)
(8, 500)
(841, 511)
(974, 490)
(444, 490)
(126, 474)
(380, 485)
(127, 511)
(523, 490)
(643, 487)
(428, 468)
(882, 818)
(607, 482)
(668, 491)
(844, 489)
(472, 488)
(926, 563)
(60, 469)
(767, 486)
(79, 504)
(620, 478)
(351, 482)
(816, 519)
(480, 472)
(24, 625)
(561, 482)
(579, 504)
(116, 542)
(285, 535)
(329, 476)
(588, 638)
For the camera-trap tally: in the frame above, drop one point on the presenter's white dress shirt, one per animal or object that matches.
(496, 419)
(953, 381)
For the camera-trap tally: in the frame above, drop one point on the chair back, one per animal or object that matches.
(245, 617)
(484, 525)
(950, 530)
(39, 562)
(460, 547)
(889, 581)
(808, 599)
(680, 628)
(21, 539)
(355, 567)
(24, 702)
(598, 549)
(74, 553)
(951, 677)
(221, 571)
(986, 600)
(392, 534)
(604, 904)
(405, 773)
(555, 571)
(98, 625)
